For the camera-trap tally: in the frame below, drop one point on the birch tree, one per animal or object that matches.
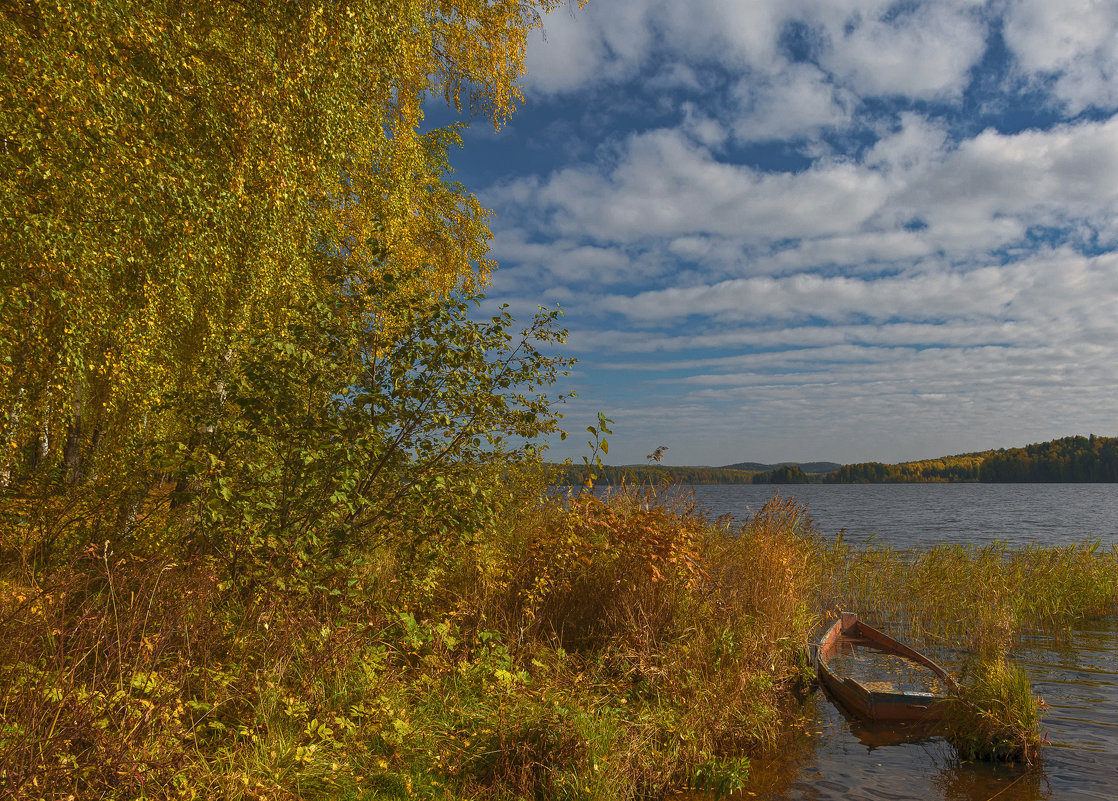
(182, 183)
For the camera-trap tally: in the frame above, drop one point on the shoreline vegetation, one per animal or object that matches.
(573, 648)
(1091, 459)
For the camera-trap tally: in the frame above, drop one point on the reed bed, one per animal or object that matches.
(981, 597)
(994, 715)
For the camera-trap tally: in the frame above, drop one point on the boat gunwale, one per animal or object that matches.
(876, 705)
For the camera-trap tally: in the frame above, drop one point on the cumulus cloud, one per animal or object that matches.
(924, 51)
(799, 100)
(910, 194)
(913, 143)
(666, 184)
(1043, 176)
(801, 64)
(1074, 42)
(577, 48)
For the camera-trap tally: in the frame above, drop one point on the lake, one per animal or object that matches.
(913, 515)
(833, 758)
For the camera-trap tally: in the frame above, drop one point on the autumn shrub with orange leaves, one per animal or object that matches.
(638, 565)
(588, 568)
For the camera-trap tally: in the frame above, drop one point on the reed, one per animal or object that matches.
(994, 715)
(983, 597)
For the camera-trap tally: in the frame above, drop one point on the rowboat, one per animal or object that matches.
(874, 704)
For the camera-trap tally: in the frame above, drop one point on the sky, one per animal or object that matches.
(801, 230)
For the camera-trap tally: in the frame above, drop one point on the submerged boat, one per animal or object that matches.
(877, 701)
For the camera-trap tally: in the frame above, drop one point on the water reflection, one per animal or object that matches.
(1078, 678)
(968, 782)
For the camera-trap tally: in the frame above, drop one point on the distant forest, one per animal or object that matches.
(575, 475)
(1090, 459)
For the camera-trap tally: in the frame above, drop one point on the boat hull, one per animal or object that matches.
(875, 705)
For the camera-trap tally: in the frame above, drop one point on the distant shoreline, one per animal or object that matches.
(1078, 459)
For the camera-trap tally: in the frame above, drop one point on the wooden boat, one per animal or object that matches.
(881, 706)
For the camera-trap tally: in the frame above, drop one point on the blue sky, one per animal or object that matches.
(792, 230)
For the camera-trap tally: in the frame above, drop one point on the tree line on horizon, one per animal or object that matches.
(1076, 459)
(611, 475)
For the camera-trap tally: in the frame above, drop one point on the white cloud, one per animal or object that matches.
(667, 185)
(930, 296)
(1055, 296)
(1037, 177)
(676, 76)
(704, 129)
(907, 404)
(910, 197)
(925, 52)
(574, 263)
(1075, 41)
(889, 404)
(1031, 340)
(865, 46)
(604, 42)
(931, 286)
(915, 144)
(796, 100)
(784, 336)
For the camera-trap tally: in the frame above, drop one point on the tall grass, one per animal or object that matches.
(994, 715)
(690, 632)
(572, 649)
(979, 597)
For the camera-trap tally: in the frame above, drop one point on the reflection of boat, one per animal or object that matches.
(873, 703)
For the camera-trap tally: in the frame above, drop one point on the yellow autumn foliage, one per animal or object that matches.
(178, 178)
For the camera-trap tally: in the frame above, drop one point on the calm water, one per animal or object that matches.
(834, 758)
(907, 515)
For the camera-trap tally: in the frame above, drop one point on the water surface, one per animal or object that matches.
(908, 515)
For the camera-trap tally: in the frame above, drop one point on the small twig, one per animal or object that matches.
(999, 792)
(116, 617)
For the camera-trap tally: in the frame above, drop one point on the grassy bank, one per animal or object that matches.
(578, 649)
(570, 649)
